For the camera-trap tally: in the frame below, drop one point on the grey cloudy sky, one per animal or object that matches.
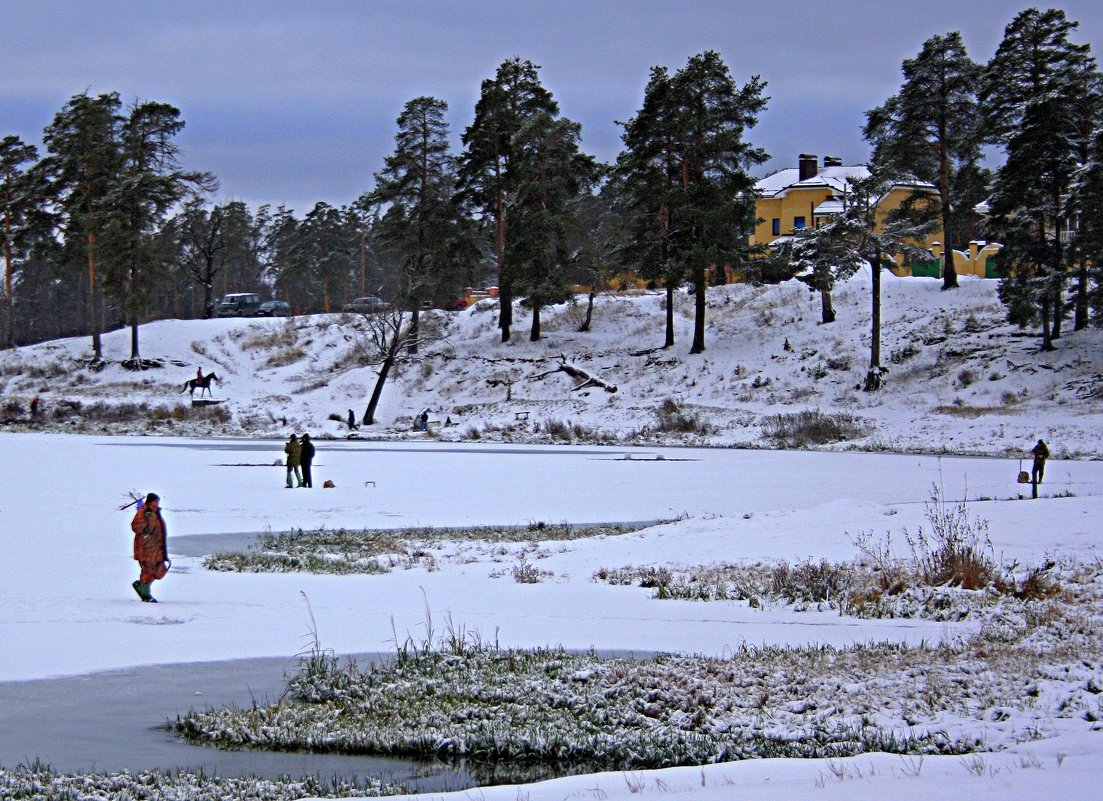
(294, 102)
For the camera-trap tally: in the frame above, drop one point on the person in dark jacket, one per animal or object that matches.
(294, 458)
(1038, 469)
(306, 457)
(150, 548)
(352, 421)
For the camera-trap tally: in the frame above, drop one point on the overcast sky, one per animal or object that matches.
(295, 102)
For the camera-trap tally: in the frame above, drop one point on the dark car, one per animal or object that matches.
(367, 305)
(274, 308)
(238, 304)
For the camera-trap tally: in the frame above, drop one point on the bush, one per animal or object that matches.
(956, 551)
(673, 419)
(812, 427)
(901, 355)
(966, 377)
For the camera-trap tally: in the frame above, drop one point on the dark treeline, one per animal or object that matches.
(104, 229)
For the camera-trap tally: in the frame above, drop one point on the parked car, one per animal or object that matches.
(238, 304)
(367, 305)
(274, 308)
(449, 304)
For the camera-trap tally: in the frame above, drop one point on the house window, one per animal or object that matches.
(777, 226)
(798, 222)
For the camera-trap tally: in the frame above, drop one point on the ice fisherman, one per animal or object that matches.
(1038, 469)
(294, 458)
(150, 548)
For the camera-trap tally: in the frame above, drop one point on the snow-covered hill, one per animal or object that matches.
(961, 379)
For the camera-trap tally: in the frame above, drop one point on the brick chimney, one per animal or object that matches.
(809, 166)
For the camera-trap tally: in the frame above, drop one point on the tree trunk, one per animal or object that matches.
(873, 377)
(415, 328)
(698, 311)
(669, 342)
(827, 310)
(134, 354)
(949, 272)
(381, 379)
(589, 311)
(505, 308)
(1047, 343)
(1081, 318)
(534, 333)
(1058, 311)
(93, 311)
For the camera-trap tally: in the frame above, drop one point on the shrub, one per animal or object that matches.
(812, 427)
(838, 362)
(673, 419)
(901, 355)
(966, 377)
(956, 551)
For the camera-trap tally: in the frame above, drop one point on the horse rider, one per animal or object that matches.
(199, 377)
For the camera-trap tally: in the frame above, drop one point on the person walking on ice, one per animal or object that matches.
(150, 548)
(294, 457)
(1038, 469)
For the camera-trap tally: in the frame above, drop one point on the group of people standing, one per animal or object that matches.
(300, 457)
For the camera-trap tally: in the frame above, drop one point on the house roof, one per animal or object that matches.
(834, 178)
(832, 205)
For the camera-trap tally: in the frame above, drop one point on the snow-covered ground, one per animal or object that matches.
(66, 607)
(961, 380)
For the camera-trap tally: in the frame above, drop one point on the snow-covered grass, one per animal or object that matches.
(39, 782)
(343, 551)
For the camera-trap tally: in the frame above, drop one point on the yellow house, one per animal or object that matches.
(809, 195)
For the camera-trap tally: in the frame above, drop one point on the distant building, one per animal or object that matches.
(810, 195)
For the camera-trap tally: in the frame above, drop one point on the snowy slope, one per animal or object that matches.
(961, 379)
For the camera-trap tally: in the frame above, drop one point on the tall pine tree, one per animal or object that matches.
(83, 162)
(686, 171)
(149, 182)
(18, 197)
(647, 169)
(1035, 92)
(551, 174)
(487, 178)
(931, 130)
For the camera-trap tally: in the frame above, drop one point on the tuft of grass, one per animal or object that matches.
(813, 427)
(673, 418)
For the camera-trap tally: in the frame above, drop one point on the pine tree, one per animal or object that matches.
(551, 172)
(686, 169)
(1087, 204)
(486, 174)
(930, 130)
(202, 241)
(422, 219)
(18, 196)
(1039, 91)
(648, 169)
(148, 182)
(83, 162)
(715, 197)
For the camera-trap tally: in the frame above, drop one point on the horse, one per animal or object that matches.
(205, 384)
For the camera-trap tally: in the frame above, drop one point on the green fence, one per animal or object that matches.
(992, 268)
(927, 269)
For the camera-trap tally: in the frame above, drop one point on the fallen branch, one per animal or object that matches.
(579, 374)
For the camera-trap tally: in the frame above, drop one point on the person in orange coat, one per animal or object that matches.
(149, 545)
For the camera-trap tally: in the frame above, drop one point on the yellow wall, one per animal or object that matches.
(797, 203)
